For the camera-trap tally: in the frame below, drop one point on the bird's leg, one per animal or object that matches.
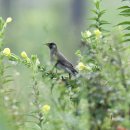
(54, 67)
(64, 80)
(69, 76)
(56, 70)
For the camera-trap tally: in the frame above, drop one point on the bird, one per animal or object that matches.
(60, 60)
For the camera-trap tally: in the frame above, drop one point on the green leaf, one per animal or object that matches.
(93, 25)
(127, 28)
(8, 66)
(94, 18)
(7, 80)
(1, 23)
(125, 11)
(95, 12)
(8, 76)
(124, 23)
(104, 30)
(126, 35)
(125, 15)
(97, 4)
(127, 40)
(124, 7)
(101, 13)
(125, 0)
(102, 22)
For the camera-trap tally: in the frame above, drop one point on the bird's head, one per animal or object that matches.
(52, 46)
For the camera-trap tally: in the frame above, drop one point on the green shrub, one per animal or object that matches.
(96, 99)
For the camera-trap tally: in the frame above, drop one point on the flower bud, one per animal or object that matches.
(7, 52)
(8, 20)
(24, 55)
(45, 108)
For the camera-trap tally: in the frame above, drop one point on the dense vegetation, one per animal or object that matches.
(96, 99)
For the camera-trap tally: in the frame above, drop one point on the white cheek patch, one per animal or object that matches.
(54, 46)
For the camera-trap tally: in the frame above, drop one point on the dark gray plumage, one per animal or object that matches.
(60, 60)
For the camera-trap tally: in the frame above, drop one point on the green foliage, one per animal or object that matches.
(9, 106)
(3, 78)
(125, 12)
(97, 19)
(92, 100)
(108, 77)
(3, 120)
(68, 93)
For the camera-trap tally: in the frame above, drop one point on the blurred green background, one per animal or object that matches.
(37, 22)
(40, 21)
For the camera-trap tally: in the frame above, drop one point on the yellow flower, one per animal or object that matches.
(24, 55)
(7, 52)
(45, 108)
(86, 34)
(98, 33)
(81, 66)
(8, 20)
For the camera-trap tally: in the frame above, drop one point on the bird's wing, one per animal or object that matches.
(64, 61)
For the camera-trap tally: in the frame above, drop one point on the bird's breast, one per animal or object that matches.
(53, 58)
